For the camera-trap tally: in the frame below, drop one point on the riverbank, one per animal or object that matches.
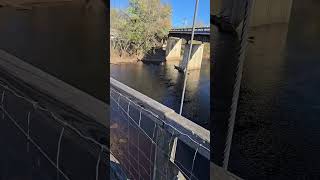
(155, 56)
(117, 59)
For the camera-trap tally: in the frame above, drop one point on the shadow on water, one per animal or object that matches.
(277, 129)
(160, 80)
(155, 56)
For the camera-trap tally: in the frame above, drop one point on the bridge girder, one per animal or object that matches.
(200, 34)
(187, 37)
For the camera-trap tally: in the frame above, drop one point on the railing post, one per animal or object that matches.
(163, 165)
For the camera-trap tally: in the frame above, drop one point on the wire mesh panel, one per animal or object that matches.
(48, 145)
(148, 147)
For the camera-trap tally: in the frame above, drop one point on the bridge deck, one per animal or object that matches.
(205, 31)
(198, 30)
(200, 34)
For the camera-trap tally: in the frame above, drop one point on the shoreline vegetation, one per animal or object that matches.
(115, 57)
(139, 33)
(138, 29)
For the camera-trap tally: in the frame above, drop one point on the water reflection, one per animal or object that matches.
(261, 85)
(164, 83)
(276, 132)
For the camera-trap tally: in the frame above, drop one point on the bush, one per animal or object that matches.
(141, 27)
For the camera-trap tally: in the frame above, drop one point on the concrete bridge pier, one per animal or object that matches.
(195, 57)
(173, 49)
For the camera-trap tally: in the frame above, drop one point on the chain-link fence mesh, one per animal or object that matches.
(148, 147)
(48, 145)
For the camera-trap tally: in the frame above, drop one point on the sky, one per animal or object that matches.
(182, 11)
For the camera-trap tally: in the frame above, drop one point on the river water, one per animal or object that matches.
(162, 82)
(277, 125)
(69, 42)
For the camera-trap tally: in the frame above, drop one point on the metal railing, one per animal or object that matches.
(39, 127)
(151, 141)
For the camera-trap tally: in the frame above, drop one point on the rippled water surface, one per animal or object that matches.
(277, 126)
(164, 83)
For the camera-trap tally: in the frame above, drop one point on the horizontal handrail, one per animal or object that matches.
(191, 133)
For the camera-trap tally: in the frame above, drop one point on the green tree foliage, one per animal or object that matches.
(141, 27)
